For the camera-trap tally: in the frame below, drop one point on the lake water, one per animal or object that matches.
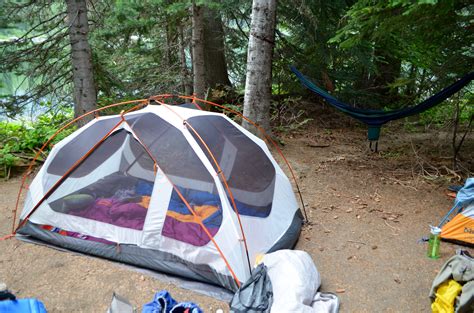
(12, 84)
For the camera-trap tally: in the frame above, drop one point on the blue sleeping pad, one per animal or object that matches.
(22, 306)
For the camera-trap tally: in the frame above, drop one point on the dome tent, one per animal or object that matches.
(169, 188)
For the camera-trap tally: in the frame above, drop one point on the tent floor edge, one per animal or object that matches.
(458, 242)
(130, 254)
(291, 235)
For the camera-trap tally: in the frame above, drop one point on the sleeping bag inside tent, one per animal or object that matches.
(169, 188)
(460, 228)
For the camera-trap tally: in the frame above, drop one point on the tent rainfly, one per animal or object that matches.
(460, 228)
(169, 188)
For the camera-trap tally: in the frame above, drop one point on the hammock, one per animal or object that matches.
(376, 118)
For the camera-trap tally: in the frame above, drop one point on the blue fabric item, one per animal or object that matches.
(22, 306)
(189, 307)
(144, 188)
(379, 117)
(195, 197)
(215, 220)
(464, 197)
(164, 303)
(245, 209)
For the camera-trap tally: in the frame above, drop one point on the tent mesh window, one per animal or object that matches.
(118, 177)
(77, 147)
(192, 181)
(249, 172)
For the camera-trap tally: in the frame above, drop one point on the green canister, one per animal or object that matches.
(434, 242)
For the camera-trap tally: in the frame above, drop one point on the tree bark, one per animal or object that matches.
(199, 70)
(85, 94)
(258, 82)
(214, 50)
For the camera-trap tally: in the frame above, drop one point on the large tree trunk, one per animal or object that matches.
(85, 95)
(199, 70)
(214, 49)
(258, 82)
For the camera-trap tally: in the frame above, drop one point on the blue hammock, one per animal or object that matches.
(376, 118)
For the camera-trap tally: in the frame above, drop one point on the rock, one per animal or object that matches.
(340, 290)
(374, 247)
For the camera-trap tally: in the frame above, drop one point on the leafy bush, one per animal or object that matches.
(21, 140)
(443, 115)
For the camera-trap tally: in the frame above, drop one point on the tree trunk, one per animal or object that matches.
(258, 82)
(85, 95)
(199, 70)
(214, 49)
(186, 85)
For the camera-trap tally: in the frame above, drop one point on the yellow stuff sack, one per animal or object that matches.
(445, 296)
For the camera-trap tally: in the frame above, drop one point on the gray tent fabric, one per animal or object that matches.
(204, 288)
(290, 238)
(325, 302)
(459, 267)
(130, 254)
(286, 281)
(120, 305)
(255, 295)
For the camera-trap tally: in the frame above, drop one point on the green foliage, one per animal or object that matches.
(430, 39)
(442, 115)
(303, 31)
(233, 107)
(21, 140)
(383, 54)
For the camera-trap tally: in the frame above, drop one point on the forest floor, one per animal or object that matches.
(368, 212)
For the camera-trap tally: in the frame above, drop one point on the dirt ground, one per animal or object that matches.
(368, 212)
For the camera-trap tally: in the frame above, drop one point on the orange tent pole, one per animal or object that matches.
(38, 153)
(221, 174)
(72, 168)
(266, 138)
(191, 210)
